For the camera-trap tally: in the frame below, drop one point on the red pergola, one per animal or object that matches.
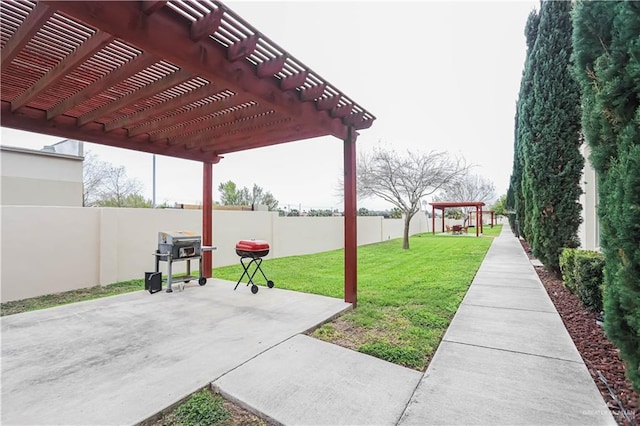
(188, 79)
(442, 205)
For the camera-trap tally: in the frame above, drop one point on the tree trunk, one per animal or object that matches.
(405, 234)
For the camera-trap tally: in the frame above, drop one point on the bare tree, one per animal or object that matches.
(94, 172)
(105, 185)
(403, 180)
(469, 188)
(117, 188)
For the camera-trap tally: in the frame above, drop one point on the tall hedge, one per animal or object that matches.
(522, 135)
(554, 159)
(607, 65)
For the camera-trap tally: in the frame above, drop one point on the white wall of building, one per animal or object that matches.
(589, 228)
(43, 178)
(47, 250)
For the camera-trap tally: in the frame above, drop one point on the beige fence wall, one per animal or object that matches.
(47, 250)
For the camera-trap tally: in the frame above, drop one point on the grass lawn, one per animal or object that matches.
(406, 298)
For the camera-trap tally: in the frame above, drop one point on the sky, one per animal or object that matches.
(440, 76)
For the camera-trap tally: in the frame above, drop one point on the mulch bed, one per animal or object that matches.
(599, 354)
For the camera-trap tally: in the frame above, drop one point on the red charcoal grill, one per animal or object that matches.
(254, 250)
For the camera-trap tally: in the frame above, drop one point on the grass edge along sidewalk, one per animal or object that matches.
(406, 298)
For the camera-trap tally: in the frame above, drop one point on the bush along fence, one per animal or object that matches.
(582, 273)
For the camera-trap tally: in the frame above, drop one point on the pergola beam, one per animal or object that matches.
(312, 93)
(293, 81)
(267, 138)
(272, 67)
(33, 120)
(206, 25)
(242, 48)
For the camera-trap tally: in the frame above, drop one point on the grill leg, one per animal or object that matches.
(169, 277)
(246, 271)
(257, 261)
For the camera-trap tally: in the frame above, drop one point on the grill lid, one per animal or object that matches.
(173, 237)
(252, 245)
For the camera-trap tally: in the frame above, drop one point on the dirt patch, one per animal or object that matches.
(599, 354)
(343, 332)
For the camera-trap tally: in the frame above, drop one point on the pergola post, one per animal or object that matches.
(433, 220)
(350, 220)
(478, 221)
(207, 217)
(442, 211)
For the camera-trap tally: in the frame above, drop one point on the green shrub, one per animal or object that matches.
(582, 275)
(202, 408)
(567, 268)
(588, 271)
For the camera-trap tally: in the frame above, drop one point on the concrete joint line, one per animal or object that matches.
(253, 357)
(510, 309)
(404, 410)
(514, 352)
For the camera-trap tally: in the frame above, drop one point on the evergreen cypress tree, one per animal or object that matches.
(607, 65)
(518, 186)
(553, 159)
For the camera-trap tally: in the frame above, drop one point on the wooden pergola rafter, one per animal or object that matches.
(188, 79)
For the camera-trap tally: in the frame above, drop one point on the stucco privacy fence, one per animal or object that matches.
(47, 250)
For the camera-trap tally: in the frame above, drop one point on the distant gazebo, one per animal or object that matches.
(442, 205)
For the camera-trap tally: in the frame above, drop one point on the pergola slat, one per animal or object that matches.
(225, 101)
(131, 120)
(147, 91)
(31, 25)
(95, 43)
(132, 67)
(183, 132)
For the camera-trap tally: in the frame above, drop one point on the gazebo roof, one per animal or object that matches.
(188, 79)
(447, 204)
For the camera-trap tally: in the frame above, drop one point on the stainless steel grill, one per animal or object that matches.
(178, 246)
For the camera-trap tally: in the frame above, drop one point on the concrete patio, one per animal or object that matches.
(122, 359)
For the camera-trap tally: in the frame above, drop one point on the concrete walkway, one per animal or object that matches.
(505, 359)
